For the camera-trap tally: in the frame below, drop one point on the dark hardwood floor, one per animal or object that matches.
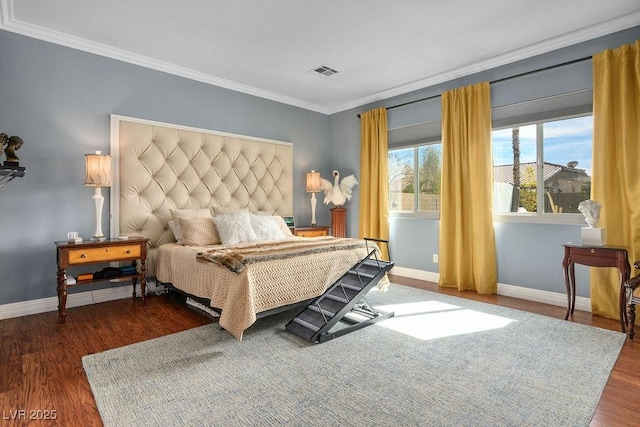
(41, 369)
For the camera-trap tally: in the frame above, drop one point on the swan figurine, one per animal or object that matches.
(340, 191)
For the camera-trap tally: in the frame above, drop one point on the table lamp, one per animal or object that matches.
(98, 175)
(313, 186)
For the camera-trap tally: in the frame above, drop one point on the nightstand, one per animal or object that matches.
(312, 231)
(93, 252)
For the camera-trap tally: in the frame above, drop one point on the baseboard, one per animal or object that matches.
(428, 276)
(43, 305)
(546, 297)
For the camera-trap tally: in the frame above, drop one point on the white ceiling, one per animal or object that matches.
(380, 48)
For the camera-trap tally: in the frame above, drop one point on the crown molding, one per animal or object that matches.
(546, 46)
(9, 23)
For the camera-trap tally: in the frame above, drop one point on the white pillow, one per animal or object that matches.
(234, 229)
(174, 229)
(265, 227)
(284, 228)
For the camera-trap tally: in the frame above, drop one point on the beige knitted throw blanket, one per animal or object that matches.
(236, 258)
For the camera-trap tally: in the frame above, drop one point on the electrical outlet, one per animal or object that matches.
(435, 258)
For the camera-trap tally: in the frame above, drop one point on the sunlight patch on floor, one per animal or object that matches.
(428, 320)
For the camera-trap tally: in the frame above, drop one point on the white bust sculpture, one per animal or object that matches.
(591, 211)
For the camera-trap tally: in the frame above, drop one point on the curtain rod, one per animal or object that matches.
(515, 76)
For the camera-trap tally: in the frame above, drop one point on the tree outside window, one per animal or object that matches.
(403, 180)
(559, 151)
(539, 168)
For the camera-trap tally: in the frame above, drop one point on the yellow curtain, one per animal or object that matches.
(467, 237)
(616, 164)
(374, 176)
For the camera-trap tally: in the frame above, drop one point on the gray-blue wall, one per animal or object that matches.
(59, 100)
(529, 255)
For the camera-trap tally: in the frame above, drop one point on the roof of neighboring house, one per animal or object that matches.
(504, 173)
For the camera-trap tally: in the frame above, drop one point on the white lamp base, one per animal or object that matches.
(99, 200)
(313, 208)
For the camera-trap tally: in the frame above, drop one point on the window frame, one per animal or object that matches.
(507, 217)
(416, 177)
(541, 217)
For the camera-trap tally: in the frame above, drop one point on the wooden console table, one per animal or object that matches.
(92, 252)
(595, 256)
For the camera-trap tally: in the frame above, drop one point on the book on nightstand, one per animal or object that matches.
(128, 270)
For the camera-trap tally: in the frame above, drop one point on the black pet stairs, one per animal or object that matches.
(342, 308)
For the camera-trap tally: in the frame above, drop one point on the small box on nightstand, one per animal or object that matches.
(594, 236)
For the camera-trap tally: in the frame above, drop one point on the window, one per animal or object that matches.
(410, 191)
(539, 168)
(543, 167)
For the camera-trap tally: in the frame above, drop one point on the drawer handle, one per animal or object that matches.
(128, 251)
(83, 256)
(593, 251)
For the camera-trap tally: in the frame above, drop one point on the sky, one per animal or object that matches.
(564, 141)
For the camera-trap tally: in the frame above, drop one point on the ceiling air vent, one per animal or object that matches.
(323, 71)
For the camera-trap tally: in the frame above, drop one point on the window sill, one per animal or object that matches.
(414, 215)
(524, 218)
(547, 218)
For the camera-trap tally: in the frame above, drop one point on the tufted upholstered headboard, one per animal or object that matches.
(158, 167)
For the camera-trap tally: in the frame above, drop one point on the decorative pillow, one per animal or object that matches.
(187, 213)
(282, 226)
(198, 231)
(227, 210)
(265, 227)
(174, 229)
(234, 229)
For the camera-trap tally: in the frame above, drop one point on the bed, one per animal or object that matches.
(202, 181)
(261, 286)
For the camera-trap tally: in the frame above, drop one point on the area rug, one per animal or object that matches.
(441, 361)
